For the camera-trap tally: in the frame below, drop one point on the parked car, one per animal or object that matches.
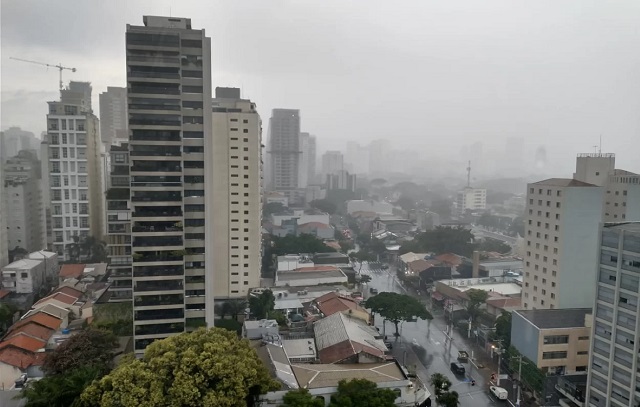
(21, 381)
(457, 368)
(499, 392)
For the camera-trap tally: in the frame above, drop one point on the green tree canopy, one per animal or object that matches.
(442, 239)
(61, 390)
(262, 305)
(503, 328)
(324, 206)
(365, 278)
(494, 245)
(476, 298)
(441, 384)
(449, 399)
(91, 347)
(304, 243)
(361, 393)
(301, 398)
(271, 208)
(207, 367)
(396, 307)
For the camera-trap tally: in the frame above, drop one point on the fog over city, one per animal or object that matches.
(432, 77)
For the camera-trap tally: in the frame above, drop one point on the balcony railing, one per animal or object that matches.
(156, 214)
(157, 271)
(161, 299)
(159, 329)
(157, 228)
(157, 241)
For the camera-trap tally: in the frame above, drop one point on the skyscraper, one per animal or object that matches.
(561, 232)
(73, 160)
(236, 188)
(332, 162)
(307, 174)
(284, 152)
(169, 84)
(613, 373)
(379, 157)
(113, 116)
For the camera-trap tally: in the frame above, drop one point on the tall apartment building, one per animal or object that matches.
(4, 244)
(307, 174)
(284, 152)
(236, 192)
(561, 233)
(75, 168)
(169, 100)
(473, 199)
(23, 190)
(622, 188)
(341, 180)
(614, 373)
(113, 116)
(332, 162)
(119, 225)
(13, 140)
(379, 163)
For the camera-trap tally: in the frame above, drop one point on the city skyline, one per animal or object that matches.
(528, 86)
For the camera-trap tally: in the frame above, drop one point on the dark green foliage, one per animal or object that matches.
(304, 243)
(262, 305)
(442, 240)
(476, 299)
(91, 347)
(60, 390)
(324, 205)
(119, 327)
(396, 307)
(228, 324)
(362, 393)
(503, 328)
(494, 245)
(301, 398)
(271, 208)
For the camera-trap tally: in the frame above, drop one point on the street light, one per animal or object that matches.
(499, 351)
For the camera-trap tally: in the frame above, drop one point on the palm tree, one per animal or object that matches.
(449, 399)
(440, 383)
(235, 307)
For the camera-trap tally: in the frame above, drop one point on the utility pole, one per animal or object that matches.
(519, 358)
(499, 350)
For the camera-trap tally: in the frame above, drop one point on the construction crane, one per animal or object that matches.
(59, 66)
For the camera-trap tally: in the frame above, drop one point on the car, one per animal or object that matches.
(499, 392)
(385, 267)
(457, 368)
(22, 381)
(373, 290)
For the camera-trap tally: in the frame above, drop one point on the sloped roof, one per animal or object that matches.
(59, 296)
(331, 303)
(563, 182)
(4, 292)
(314, 376)
(71, 270)
(411, 256)
(339, 337)
(41, 318)
(33, 330)
(505, 302)
(20, 358)
(74, 292)
(450, 258)
(316, 225)
(23, 341)
(417, 266)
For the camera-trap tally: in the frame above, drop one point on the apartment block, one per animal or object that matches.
(284, 152)
(557, 341)
(472, 199)
(341, 180)
(614, 371)
(119, 225)
(4, 243)
(113, 116)
(561, 233)
(332, 162)
(75, 168)
(23, 189)
(236, 195)
(169, 101)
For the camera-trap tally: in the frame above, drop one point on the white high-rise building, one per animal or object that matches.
(284, 153)
(561, 234)
(4, 244)
(307, 174)
(613, 369)
(75, 169)
(169, 103)
(473, 199)
(332, 162)
(113, 116)
(236, 191)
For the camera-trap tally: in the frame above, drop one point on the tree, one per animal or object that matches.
(91, 347)
(396, 307)
(304, 243)
(262, 305)
(365, 278)
(271, 208)
(228, 324)
(446, 240)
(60, 390)
(324, 206)
(207, 367)
(476, 298)
(494, 245)
(441, 384)
(233, 308)
(449, 399)
(503, 328)
(377, 247)
(7, 312)
(361, 256)
(517, 227)
(301, 398)
(406, 202)
(361, 393)
(345, 246)
(442, 207)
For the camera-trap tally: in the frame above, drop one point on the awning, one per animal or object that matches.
(437, 296)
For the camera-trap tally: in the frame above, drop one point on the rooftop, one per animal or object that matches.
(331, 303)
(32, 329)
(324, 375)
(20, 358)
(629, 226)
(297, 275)
(317, 225)
(41, 254)
(40, 318)
(299, 348)
(563, 182)
(23, 341)
(71, 270)
(556, 318)
(287, 303)
(24, 264)
(339, 336)
(411, 256)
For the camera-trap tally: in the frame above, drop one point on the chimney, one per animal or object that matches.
(475, 271)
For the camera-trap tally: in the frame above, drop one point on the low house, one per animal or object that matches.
(344, 339)
(320, 230)
(332, 303)
(259, 329)
(70, 271)
(499, 304)
(24, 276)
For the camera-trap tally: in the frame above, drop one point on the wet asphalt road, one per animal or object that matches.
(427, 349)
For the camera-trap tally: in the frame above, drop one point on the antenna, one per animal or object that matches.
(600, 147)
(595, 149)
(59, 66)
(469, 175)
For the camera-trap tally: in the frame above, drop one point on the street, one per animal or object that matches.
(427, 349)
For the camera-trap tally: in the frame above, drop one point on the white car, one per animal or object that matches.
(499, 392)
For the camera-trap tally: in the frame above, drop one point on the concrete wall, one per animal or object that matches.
(525, 336)
(572, 348)
(8, 375)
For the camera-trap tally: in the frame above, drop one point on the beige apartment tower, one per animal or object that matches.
(234, 200)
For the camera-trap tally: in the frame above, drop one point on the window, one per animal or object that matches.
(24, 275)
(554, 355)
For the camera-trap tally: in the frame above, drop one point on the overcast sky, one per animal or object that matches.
(429, 75)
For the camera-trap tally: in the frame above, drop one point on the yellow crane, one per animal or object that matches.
(59, 67)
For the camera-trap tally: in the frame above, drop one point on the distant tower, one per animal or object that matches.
(469, 175)
(541, 157)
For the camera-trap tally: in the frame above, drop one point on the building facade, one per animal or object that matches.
(23, 189)
(341, 180)
(4, 243)
(75, 168)
(332, 162)
(236, 189)
(561, 233)
(169, 100)
(472, 199)
(284, 152)
(614, 367)
(113, 116)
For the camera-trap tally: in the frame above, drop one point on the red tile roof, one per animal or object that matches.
(21, 358)
(417, 266)
(317, 225)
(40, 318)
(502, 303)
(450, 258)
(23, 341)
(32, 329)
(71, 270)
(64, 298)
(4, 292)
(331, 303)
(346, 349)
(74, 292)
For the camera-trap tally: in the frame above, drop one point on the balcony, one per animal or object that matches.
(154, 88)
(153, 314)
(159, 329)
(118, 193)
(156, 196)
(162, 285)
(117, 205)
(573, 387)
(150, 241)
(153, 59)
(156, 135)
(157, 212)
(159, 299)
(155, 151)
(156, 181)
(156, 166)
(158, 271)
(141, 227)
(164, 256)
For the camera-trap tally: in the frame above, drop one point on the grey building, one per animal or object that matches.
(169, 101)
(284, 152)
(614, 370)
(113, 116)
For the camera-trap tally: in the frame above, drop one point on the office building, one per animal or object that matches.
(24, 202)
(341, 180)
(75, 168)
(235, 195)
(561, 234)
(471, 199)
(119, 225)
(379, 157)
(113, 116)
(622, 188)
(332, 162)
(613, 371)
(357, 157)
(308, 159)
(169, 102)
(284, 153)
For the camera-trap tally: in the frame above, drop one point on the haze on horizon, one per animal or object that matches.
(434, 77)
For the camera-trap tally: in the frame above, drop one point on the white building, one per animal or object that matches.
(50, 260)
(473, 199)
(234, 202)
(332, 162)
(24, 276)
(302, 216)
(561, 231)
(276, 197)
(283, 153)
(75, 168)
(307, 172)
(113, 116)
